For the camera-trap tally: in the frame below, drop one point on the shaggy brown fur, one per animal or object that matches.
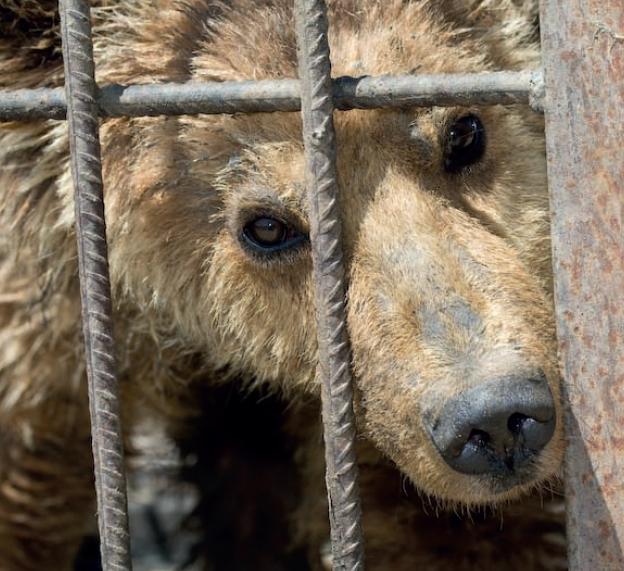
(424, 248)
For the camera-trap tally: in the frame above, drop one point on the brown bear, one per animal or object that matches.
(446, 236)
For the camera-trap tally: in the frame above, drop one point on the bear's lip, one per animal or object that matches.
(499, 483)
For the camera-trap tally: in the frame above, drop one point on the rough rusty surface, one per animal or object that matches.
(398, 91)
(583, 43)
(94, 283)
(325, 232)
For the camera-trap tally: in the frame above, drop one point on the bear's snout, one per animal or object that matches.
(497, 428)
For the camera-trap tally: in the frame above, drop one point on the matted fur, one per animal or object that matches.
(449, 275)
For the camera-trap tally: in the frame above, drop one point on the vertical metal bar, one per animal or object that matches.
(583, 51)
(325, 230)
(82, 114)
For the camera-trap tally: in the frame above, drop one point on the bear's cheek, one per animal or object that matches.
(390, 387)
(261, 316)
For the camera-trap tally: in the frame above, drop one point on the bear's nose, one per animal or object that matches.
(497, 427)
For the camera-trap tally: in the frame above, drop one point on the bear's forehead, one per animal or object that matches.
(255, 39)
(366, 38)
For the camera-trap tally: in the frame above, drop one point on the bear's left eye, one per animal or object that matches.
(266, 234)
(465, 143)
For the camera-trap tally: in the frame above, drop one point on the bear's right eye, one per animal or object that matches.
(266, 234)
(465, 143)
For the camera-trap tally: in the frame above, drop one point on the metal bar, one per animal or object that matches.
(334, 353)
(401, 91)
(94, 284)
(27, 104)
(583, 53)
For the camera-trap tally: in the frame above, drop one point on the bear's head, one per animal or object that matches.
(445, 225)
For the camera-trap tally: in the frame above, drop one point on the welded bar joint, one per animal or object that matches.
(391, 91)
(94, 284)
(334, 355)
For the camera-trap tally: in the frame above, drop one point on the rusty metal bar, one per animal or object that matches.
(583, 52)
(325, 231)
(94, 284)
(400, 91)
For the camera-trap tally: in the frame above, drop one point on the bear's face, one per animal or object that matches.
(445, 224)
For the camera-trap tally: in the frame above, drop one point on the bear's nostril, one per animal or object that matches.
(515, 422)
(479, 438)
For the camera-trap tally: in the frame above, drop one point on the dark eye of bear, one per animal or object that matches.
(267, 234)
(465, 143)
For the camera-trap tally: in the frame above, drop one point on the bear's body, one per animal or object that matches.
(448, 268)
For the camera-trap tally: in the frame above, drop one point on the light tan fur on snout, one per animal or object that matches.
(449, 273)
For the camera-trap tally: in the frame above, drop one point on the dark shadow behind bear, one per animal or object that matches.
(248, 481)
(222, 498)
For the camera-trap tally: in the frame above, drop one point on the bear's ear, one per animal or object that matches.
(509, 28)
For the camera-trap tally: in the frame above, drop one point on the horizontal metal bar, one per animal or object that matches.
(398, 91)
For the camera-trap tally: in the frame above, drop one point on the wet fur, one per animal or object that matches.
(449, 275)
